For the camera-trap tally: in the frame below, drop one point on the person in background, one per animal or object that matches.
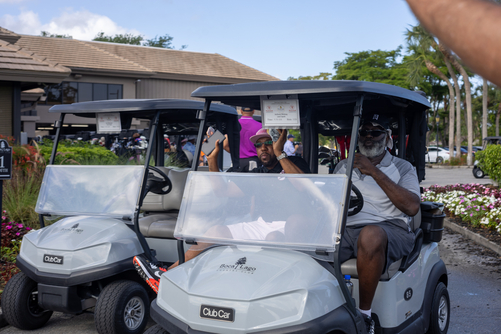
(299, 150)
(190, 144)
(249, 127)
(289, 145)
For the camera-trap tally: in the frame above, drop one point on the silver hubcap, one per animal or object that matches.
(443, 312)
(134, 313)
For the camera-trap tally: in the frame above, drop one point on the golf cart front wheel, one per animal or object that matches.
(157, 329)
(20, 303)
(478, 173)
(440, 310)
(122, 307)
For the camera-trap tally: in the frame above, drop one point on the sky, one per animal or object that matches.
(282, 38)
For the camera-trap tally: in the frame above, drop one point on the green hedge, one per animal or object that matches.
(79, 154)
(489, 160)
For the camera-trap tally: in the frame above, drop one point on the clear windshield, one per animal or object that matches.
(90, 190)
(300, 212)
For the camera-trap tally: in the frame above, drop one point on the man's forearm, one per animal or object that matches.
(471, 28)
(289, 167)
(403, 199)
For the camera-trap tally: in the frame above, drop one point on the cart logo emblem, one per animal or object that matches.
(408, 294)
(239, 266)
(217, 313)
(73, 229)
(54, 259)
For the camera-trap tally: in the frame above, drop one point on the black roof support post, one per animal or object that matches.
(16, 111)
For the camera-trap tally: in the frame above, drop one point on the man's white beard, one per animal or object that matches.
(376, 150)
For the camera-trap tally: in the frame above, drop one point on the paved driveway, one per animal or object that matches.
(445, 176)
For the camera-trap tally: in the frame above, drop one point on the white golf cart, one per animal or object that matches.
(292, 281)
(83, 262)
(477, 171)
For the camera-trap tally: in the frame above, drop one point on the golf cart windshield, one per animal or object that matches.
(90, 190)
(301, 212)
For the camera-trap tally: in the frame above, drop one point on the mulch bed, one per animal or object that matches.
(489, 234)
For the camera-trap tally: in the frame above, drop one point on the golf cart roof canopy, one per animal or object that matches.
(140, 108)
(330, 92)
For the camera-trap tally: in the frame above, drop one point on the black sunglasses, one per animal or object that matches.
(268, 142)
(373, 133)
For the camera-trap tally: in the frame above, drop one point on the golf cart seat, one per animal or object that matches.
(189, 155)
(162, 210)
(350, 267)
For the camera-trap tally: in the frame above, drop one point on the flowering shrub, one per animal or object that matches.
(12, 234)
(476, 204)
(11, 231)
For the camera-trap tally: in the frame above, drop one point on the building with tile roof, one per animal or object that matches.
(71, 70)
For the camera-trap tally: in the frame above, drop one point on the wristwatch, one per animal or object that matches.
(281, 156)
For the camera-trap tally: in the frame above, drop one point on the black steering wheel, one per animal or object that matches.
(356, 201)
(165, 183)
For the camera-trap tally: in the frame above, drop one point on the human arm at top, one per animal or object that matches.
(405, 200)
(471, 28)
(287, 165)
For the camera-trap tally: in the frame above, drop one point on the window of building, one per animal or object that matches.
(71, 92)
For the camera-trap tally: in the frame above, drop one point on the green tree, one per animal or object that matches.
(119, 38)
(375, 66)
(48, 34)
(164, 41)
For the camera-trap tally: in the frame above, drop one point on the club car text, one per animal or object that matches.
(217, 313)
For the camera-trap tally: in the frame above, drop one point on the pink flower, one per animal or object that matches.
(20, 225)
(18, 234)
(471, 214)
(9, 227)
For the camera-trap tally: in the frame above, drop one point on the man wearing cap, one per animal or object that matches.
(270, 153)
(289, 145)
(380, 233)
(249, 127)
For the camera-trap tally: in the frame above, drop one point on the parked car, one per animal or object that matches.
(436, 154)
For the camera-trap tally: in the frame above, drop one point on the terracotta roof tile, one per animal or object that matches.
(75, 53)
(112, 56)
(12, 57)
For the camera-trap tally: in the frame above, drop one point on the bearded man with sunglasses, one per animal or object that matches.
(380, 233)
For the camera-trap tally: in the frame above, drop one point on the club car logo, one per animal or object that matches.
(54, 259)
(73, 229)
(217, 313)
(239, 266)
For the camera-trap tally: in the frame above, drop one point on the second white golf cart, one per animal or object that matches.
(107, 215)
(294, 283)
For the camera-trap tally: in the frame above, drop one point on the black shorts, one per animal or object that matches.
(400, 241)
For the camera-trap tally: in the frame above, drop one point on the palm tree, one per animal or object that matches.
(484, 108)
(458, 107)
(420, 42)
(467, 87)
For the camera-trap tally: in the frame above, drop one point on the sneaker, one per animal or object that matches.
(148, 271)
(369, 324)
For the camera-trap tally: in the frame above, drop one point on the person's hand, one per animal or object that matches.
(363, 164)
(278, 146)
(212, 158)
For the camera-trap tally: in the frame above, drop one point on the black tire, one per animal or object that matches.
(122, 307)
(478, 173)
(20, 303)
(157, 329)
(440, 160)
(440, 310)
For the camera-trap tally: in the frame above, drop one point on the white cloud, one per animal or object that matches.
(78, 24)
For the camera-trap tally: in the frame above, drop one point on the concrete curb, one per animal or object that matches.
(446, 166)
(472, 236)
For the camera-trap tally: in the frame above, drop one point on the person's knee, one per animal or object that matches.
(219, 231)
(372, 239)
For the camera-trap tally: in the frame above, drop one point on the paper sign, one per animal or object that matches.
(108, 123)
(280, 114)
